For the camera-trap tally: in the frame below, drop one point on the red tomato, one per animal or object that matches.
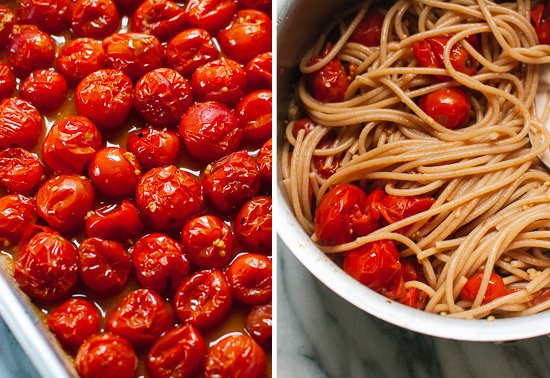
(94, 18)
(323, 166)
(235, 355)
(17, 212)
(221, 80)
(394, 208)
(128, 5)
(79, 58)
(63, 201)
(29, 49)
(189, 50)
(167, 197)
(161, 97)
(305, 124)
(208, 242)
(7, 21)
(412, 270)
(253, 224)
(104, 265)
(211, 15)
(105, 96)
(73, 322)
(45, 89)
(210, 131)
(70, 144)
(180, 352)
(369, 30)
(7, 79)
(258, 324)
(449, 107)
(159, 263)
(20, 124)
(264, 160)
(263, 5)
(249, 276)
(135, 54)
(249, 35)
(258, 71)
(414, 298)
(114, 222)
(114, 172)
(141, 317)
(161, 18)
(46, 268)
(255, 113)
(377, 266)
(540, 19)
(154, 148)
(20, 170)
(203, 299)
(52, 16)
(495, 289)
(329, 83)
(106, 355)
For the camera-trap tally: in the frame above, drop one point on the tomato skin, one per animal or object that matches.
(106, 355)
(222, 80)
(255, 116)
(141, 317)
(7, 20)
(258, 325)
(329, 83)
(94, 18)
(249, 277)
(29, 49)
(208, 242)
(394, 208)
(52, 16)
(180, 352)
(540, 19)
(264, 161)
(211, 15)
(449, 107)
(7, 80)
(114, 222)
(79, 58)
(20, 124)
(261, 5)
(414, 298)
(154, 148)
(305, 124)
(161, 18)
(323, 166)
(253, 224)
(46, 268)
(73, 322)
(369, 30)
(45, 89)
(495, 289)
(258, 71)
(189, 50)
(20, 170)
(17, 212)
(236, 355)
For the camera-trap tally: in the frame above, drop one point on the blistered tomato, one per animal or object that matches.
(154, 148)
(235, 356)
(495, 288)
(29, 49)
(20, 124)
(255, 114)
(20, 170)
(52, 16)
(253, 224)
(259, 324)
(45, 89)
(258, 71)
(94, 18)
(79, 58)
(330, 82)
(161, 18)
(449, 107)
(73, 322)
(369, 30)
(211, 15)
(114, 222)
(221, 80)
(189, 50)
(264, 160)
(249, 276)
(17, 212)
(7, 20)
(7, 81)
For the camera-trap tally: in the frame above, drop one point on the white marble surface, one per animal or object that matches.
(13, 362)
(321, 335)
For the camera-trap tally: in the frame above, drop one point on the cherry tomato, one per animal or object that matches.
(253, 224)
(221, 80)
(46, 268)
(324, 166)
(63, 201)
(29, 49)
(114, 222)
(73, 322)
(7, 79)
(208, 242)
(7, 20)
(45, 89)
(249, 35)
(141, 317)
(189, 50)
(249, 276)
(211, 15)
(264, 160)
(167, 197)
(412, 270)
(180, 352)
(449, 107)
(414, 298)
(258, 324)
(255, 113)
(540, 19)
(258, 71)
(128, 5)
(79, 58)
(20, 170)
(106, 355)
(161, 18)
(394, 208)
(159, 263)
(162, 96)
(235, 355)
(377, 266)
(17, 212)
(52, 16)
(203, 299)
(369, 30)
(135, 54)
(329, 83)
(154, 148)
(114, 172)
(94, 18)
(20, 124)
(105, 96)
(231, 181)
(495, 289)
(262, 5)
(210, 131)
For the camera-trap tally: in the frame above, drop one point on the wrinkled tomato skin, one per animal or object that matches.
(17, 212)
(63, 201)
(94, 18)
(329, 83)
(161, 18)
(369, 30)
(258, 325)
(261, 5)
(189, 50)
(45, 89)
(161, 97)
(154, 148)
(211, 15)
(79, 58)
(258, 71)
(52, 16)
(264, 161)
(20, 171)
(496, 288)
(249, 277)
(255, 116)
(29, 49)
(208, 242)
(7, 81)
(73, 322)
(141, 317)
(449, 107)
(114, 222)
(20, 124)
(203, 299)
(235, 356)
(210, 131)
(221, 80)
(106, 355)
(7, 20)
(253, 224)
(414, 298)
(180, 352)
(46, 268)
(394, 208)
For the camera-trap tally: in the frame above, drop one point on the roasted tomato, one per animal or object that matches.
(17, 212)
(249, 277)
(236, 356)
(394, 208)
(259, 323)
(326, 166)
(495, 289)
(208, 242)
(253, 224)
(180, 352)
(167, 197)
(20, 124)
(20, 170)
(63, 201)
(45, 89)
(161, 18)
(7, 80)
(203, 299)
(159, 263)
(262, 5)
(106, 355)
(369, 30)
(211, 15)
(162, 97)
(79, 58)
(414, 298)
(105, 96)
(210, 131)
(330, 82)
(94, 18)
(221, 80)
(52, 16)
(7, 20)
(258, 71)
(154, 148)
(449, 107)
(29, 49)
(46, 268)
(264, 159)
(73, 322)
(305, 124)
(189, 50)
(114, 222)
(255, 114)
(540, 19)
(141, 317)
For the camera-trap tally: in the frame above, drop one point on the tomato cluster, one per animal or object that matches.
(135, 180)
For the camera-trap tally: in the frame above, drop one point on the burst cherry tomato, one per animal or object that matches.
(263, 160)
(52, 16)
(236, 356)
(540, 19)
(45, 89)
(189, 50)
(94, 18)
(114, 222)
(211, 15)
(20, 124)
(221, 80)
(369, 30)
(414, 298)
(17, 212)
(254, 113)
(7, 80)
(394, 208)
(253, 224)
(329, 83)
(20, 170)
(495, 289)
(7, 20)
(449, 107)
(73, 322)
(161, 18)
(258, 325)
(154, 148)
(114, 172)
(79, 58)
(258, 71)
(249, 276)
(29, 49)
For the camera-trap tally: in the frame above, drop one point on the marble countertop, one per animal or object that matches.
(13, 361)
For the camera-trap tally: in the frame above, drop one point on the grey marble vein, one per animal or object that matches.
(13, 361)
